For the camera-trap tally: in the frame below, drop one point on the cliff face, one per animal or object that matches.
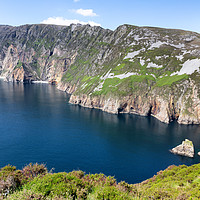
(40, 52)
(141, 70)
(165, 110)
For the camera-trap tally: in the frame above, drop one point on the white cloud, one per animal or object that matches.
(76, 0)
(85, 12)
(67, 22)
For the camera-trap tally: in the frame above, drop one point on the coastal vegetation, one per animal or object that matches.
(35, 182)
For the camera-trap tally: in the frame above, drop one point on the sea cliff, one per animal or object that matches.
(139, 70)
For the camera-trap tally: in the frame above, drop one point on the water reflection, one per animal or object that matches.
(126, 125)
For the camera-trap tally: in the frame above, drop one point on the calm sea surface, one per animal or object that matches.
(37, 124)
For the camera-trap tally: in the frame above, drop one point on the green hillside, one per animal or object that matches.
(35, 182)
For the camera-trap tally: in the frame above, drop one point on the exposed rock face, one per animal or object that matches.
(41, 52)
(140, 70)
(134, 105)
(184, 149)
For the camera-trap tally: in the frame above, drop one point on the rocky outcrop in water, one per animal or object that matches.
(139, 70)
(184, 149)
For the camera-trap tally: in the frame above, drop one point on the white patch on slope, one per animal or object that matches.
(107, 75)
(125, 75)
(190, 38)
(180, 57)
(142, 62)
(158, 57)
(159, 43)
(120, 76)
(178, 46)
(111, 75)
(136, 37)
(189, 67)
(99, 87)
(133, 43)
(153, 65)
(133, 54)
(195, 45)
(156, 45)
(186, 52)
(163, 76)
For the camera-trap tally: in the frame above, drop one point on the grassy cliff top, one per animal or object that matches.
(34, 182)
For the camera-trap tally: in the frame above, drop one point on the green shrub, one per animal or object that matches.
(180, 182)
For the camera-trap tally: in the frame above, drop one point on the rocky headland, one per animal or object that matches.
(136, 70)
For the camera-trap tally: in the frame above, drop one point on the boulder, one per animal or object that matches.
(184, 149)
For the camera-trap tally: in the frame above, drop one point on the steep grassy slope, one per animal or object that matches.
(141, 70)
(34, 182)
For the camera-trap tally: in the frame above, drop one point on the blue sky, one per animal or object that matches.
(180, 14)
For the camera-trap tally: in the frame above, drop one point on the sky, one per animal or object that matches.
(176, 14)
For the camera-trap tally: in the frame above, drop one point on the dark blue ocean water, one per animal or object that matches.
(37, 124)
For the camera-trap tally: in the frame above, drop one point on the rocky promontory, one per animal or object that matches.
(184, 149)
(136, 70)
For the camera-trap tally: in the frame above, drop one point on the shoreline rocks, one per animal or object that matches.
(184, 149)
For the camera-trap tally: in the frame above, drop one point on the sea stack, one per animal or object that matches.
(184, 149)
